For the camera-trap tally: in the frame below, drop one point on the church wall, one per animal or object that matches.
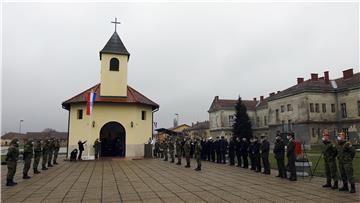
(113, 83)
(103, 113)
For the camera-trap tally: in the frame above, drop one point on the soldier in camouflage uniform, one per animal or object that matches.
(330, 153)
(178, 150)
(27, 156)
(45, 153)
(187, 147)
(165, 149)
(51, 151)
(56, 150)
(171, 150)
(37, 156)
(12, 157)
(346, 154)
(197, 154)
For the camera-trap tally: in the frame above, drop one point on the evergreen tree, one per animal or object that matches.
(242, 125)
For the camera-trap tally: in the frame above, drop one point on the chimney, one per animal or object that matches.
(326, 77)
(254, 98)
(300, 80)
(272, 94)
(314, 76)
(261, 98)
(348, 73)
(216, 98)
(278, 92)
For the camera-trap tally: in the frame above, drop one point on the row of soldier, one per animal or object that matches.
(46, 149)
(258, 153)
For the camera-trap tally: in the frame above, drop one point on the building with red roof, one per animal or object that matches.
(118, 115)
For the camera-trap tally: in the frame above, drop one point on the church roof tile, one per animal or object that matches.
(133, 97)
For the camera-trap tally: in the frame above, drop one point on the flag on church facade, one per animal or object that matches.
(90, 100)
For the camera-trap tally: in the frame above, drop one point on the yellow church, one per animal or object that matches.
(121, 117)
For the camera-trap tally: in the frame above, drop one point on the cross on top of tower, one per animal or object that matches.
(115, 22)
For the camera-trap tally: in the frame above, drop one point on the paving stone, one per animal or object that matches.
(153, 180)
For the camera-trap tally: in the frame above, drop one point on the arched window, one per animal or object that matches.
(114, 64)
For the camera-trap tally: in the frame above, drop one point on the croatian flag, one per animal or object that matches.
(90, 100)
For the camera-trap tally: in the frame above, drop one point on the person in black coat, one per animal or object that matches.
(203, 149)
(244, 147)
(279, 153)
(81, 148)
(255, 152)
(212, 150)
(291, 155)
(232, 151)
(251, 154)
(265, 149)
(223, 147)
(217, 149)
(208, 149)
(237, 151)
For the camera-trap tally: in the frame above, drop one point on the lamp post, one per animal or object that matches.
(20, 125)
(177, 119)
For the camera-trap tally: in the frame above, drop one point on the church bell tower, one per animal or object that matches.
(114, 64)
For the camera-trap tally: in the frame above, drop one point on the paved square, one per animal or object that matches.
(154, 180)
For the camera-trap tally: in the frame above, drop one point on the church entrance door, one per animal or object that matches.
(112, 137)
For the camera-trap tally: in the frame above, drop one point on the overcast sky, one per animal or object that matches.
(182, 54)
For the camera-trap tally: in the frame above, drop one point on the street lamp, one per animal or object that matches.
(177, 118)
(20, 126)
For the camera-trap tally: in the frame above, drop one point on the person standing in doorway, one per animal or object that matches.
(81, 148)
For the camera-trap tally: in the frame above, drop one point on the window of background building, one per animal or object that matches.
(317, 109)
(333, 108)
(143, 115)
(289, 107)
(311, 107)
(290, 125)
(324, 108)
(343, 110)
(79, 114)
(231, 120)
(282, 108)
(313, 132)
(283, 126)
(318, 132)
(265, 121)
(258, 121)
(358, 108)
(277, 114)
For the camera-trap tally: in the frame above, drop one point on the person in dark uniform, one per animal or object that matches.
(279, 153)
(81, 148)
(27, 156)
(51, 151)
(192, 148)
(346, 155)
(187, 147)
(232, 151)
(212, 150)
(291, 156)
(178, 150)
(12, 157)
(265, 149)
(37, 156)
(208, 150)
(251, 154)
(237, 151)
(197, 154)
(256, 154)
(45, 153)
(96, 146)
(217, 149)
(223, 147)
(244, 147)
(203, 149)
(330, 153)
